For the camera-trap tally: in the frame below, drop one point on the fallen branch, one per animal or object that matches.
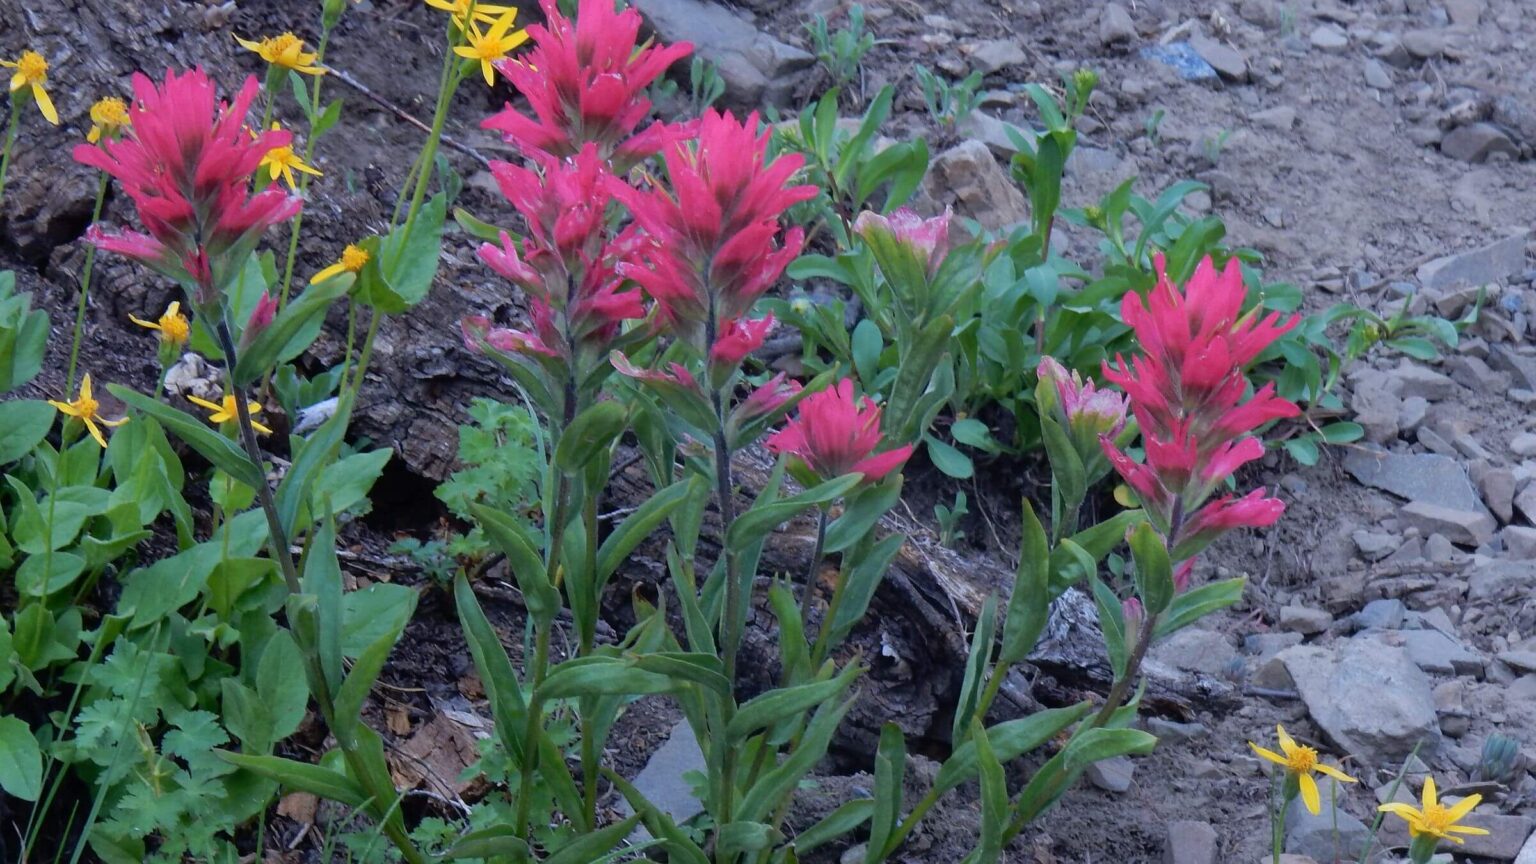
(343, 77)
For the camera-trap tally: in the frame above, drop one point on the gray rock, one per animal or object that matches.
(991, 131)
(1496, 262)
(1375, 545)
(1436, 652)
(1424, 44)
(1368, 697)
(1259, 12)
(1168, 730)
(995, 54)
(1112, 775)
(1190, 843)
(1470, 528)
(1524, 444)
(1500, 581)
(1474, 374)
(1300, 619)
(1331, 38)
(1385, 614)
(1498, 488)
(1226, 60)
(1376, 75)
(1115, 25)
(1525, 502)
(1527, 852)
(1476, 142)
(1520, 542)
(1193, 649)
(1331, 829)
(1267, 645)
(1411, 416)
(1464, 13)
(1520, 660)
(1282, 118)
(1416, 380)
(968, 177)
(1421, 477)
(1438, 549)
(1505, 840)
(661, 780)
(752, 64)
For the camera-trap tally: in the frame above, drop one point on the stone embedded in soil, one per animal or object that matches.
(1519, 541)
(1193, 649)
(1434, 652)
(967, 176)
(1304, 620)
(1520, 660)
(1376, 75)
(1331, 38)
(1416, 380)
(1501, 581)
(1385, 614)
(1462, 527)
(1281, 118)
(1478, 142)
(1420, 477)
(1375, 545)
(1524, 444)
(1190, 843)
(753, 65)
(1116, 25)
(1525, 502)
(1318, 836)
(996, 54)
(1499, 261)
(1169, 730)
(1527, 852)
(1505, 838)
(1112, 775)
(1368, 697)
(1424, 44)
(662, 781)
(1226, 60)
(1497, 486)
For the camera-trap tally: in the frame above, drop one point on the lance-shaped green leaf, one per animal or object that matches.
(835, 825)
(698, 668)
(539, 594)
(785, 703)
(301, 776)
(590, 434)
(21, 760)
(638, 526)
(1066, 466)
(291, 331)
(751, 526)
(976, 666)
(914, 376)
(890, 771)
(994, 798)
(863, 580)
(1009, 740)
(1196, 603)
(772, 787)
(23, 424)
(1111, 624)
(602, 676)
(590, 847)
(1058, 774)
(1154, 570)
(740, 838)
(679, 846)
(494, 667)
(1030, 604)
(496, 841)
(354, 690)
(222, 452)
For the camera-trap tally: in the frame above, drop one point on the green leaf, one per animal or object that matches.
(890, 770)
(24, 423)
(738, 838)
(861, 511)
(1062, 770)
(283, 694)
(310, 457)
(354, 690)
(949, 459)
(407, 260)
(301, 776)
(680, 848)
(976, 666)
(371, 612)
(637, 527)
(1154, 570)
(539, 594)
(221, 451)
(994, 798)
(21, 760)
(686, 666)
(1342, 432)
(914, 376)
(1111, 624)
(346, 483)
(1029, 604)
(494, 667)
(1009, 740)
(867, 345)
(291, 331)
(784, 703)
(602, 676)
(475, 227)
(1196, 603)
(327, 119)
(863, 580)
(591, 433)
(1303, 449)
(1066, 466)
(48, 573)
(496, 841)
(770, 790)
(751, 526)
(974, 433)
(835, 825)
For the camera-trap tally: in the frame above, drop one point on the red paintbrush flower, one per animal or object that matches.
(1186, 392)
(836, 435)
(585, 81)
(714, 249)
(568, 264)
(186, 161)
(740, 338)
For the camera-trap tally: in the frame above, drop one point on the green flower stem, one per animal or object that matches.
(450, 84)
(730, 632)
(304, 178)
(85, 284)
(530, 763)
(10, 142)
(1122, 685)
(899, 836)
(810, 585)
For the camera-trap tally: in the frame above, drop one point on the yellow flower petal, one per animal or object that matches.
(1429, 793)
(1287, 743)
(1335, 773)
(1407, 811)
(1268, 754)
(1309, 794)
(1463, 807)
(45, 104)
(204, 403)
(18, 80)
(142, 323)
(65, 408)
(96, 433)
(1466, 829)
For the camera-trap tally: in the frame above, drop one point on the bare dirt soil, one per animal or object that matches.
(1321, 147)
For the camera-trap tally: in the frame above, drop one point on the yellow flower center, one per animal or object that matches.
(285, 47)
(1435, 819)
(32, 67)
(353, 258)
(86, 406)
(110, 111)
(175, 329)
(489, 49)
(1302, 760)
(283, 157)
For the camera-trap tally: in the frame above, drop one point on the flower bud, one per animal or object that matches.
(260, 320)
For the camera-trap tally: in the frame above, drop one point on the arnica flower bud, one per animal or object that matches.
(927, 239)
(834, 434)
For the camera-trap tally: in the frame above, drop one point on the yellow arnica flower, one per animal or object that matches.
(85, 408)
(230, 411)
(282, 162)
(32, 71)
(1300, 762)
(109, 116)
(353, 259)
(1435, 819)
(492, 45)
(484, 13)
(173, 326)
(287, 51)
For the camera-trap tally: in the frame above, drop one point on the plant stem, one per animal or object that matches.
(900, 834)
(85, 284)
(730, 630)
(531, 732)
(450, 83)
(304, 178)
(1122, 686)
(810, 587)
(10, 141)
